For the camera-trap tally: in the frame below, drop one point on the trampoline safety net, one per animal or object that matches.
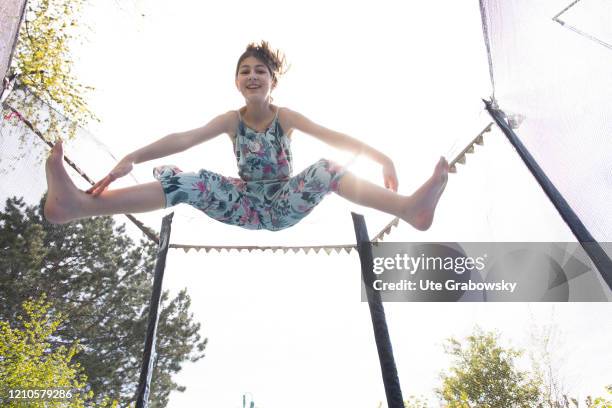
(550, 69)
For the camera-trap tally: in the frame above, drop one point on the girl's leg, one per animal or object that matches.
(65, 202)
(417, 209)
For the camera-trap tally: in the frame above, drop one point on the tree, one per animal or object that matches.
(27, 362)
(546, 363)
(484, 375)
(546, 366)
(601, 402)
(100, 280)
(44, 64)
(415, 402)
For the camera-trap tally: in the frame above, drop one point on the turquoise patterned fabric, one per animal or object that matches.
(266, 196)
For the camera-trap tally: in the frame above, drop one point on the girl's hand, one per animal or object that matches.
(121, 169)
(389, 176)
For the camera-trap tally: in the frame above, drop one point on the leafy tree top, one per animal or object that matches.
(44, 62)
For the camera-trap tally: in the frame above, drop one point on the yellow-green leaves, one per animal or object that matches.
(29, 360)
(44, 62)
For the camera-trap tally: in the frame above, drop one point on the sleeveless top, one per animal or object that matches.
(263, 156)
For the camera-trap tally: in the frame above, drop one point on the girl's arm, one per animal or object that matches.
(178, 142)
(344, 142)
(173, 143)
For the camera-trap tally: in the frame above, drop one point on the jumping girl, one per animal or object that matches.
(267, 195)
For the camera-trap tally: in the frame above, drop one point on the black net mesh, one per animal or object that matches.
(551, 65)
(10, 18)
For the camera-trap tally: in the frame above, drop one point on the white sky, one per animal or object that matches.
(407, 78)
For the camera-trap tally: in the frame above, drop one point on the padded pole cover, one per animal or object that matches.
(377, 313)
(148, 359)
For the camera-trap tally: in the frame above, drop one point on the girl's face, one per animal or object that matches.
(254, 80)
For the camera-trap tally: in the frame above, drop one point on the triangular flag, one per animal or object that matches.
(479, 140)
(470, 149)
(327, 250)
(452, 169)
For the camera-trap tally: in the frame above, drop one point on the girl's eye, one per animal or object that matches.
(257, 72)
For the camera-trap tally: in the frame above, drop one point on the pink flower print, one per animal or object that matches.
(300, 186)
(201, 186)
(333, 186)
(281, 158)
(239, 184)
(250, 216)
(334, 168)
(267, 169)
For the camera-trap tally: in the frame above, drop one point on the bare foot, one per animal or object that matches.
(62, 194)
(421, 205)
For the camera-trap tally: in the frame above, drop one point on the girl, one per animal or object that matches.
(266, 195)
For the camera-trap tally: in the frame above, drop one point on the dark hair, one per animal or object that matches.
(273, 59)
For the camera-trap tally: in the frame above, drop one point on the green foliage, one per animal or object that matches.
(484, 375)
(589, 402)
(101, 282)
(44, 64)
(601, 402)
(415, 402)
(27, 360)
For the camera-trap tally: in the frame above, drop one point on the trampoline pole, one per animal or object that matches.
(149, 355)
(592, 248)
(391, 382)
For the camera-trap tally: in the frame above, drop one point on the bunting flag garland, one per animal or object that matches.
(452, 169)
(478, 140)
(285, 249)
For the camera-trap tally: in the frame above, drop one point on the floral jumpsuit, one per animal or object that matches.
(265, 196)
